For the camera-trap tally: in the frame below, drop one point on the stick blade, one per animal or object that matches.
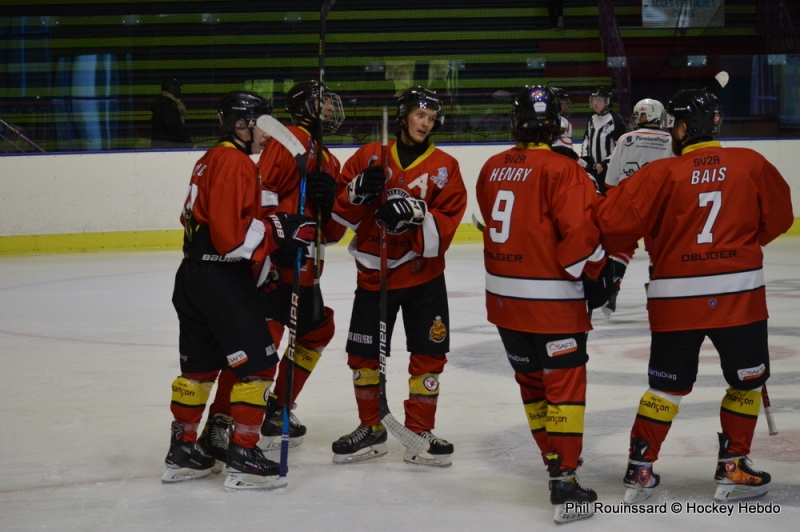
(283, 136)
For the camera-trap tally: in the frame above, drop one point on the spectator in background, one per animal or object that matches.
(555, 8)
(169, 114)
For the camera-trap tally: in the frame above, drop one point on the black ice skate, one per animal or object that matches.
(735, 476)
(439, 454)
(272, 428)
(364, 443)
(214, 439)
(184, 460)
(572, 501)
(250, 470)
(639, 481)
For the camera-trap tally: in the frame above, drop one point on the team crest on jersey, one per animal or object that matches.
(629, 140)
(438, 331)
(440, 179)
(712, 303)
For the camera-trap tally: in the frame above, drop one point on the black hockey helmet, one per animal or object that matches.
(418, 97)
(536, 107)
(564, 101)
(301, 104)
(244, 105)
(698, 108)
(601, 92)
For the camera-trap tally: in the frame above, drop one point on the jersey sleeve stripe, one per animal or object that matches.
(252, 239)
(430, 237)
(534, 289)
(576, 269)
(706, 285)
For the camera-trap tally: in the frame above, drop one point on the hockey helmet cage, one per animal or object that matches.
(536, 107)
(302, 101)
(652, 109)
(698, 108)
(244, 105)
(418, 97)
(564, 101)
(601, 92)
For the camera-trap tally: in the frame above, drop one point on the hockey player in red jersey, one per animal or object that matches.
(426, 199)
(227, 242)
(540, 241)
(280, 192)
(709, 212)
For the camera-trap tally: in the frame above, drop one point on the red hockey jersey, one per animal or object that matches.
(415, 255)
(709, 212)
(280, 192)
(540, 237)
(223, 196)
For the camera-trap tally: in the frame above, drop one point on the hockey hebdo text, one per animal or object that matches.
(686, 508)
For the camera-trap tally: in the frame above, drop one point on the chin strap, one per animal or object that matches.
(248, 144)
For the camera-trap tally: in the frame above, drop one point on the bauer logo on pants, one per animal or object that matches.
(556, 348)
(438, 331)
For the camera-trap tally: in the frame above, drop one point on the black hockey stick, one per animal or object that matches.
(412, 441)
(278, 131)
(323, 18)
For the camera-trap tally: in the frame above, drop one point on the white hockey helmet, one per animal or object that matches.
(651, 109)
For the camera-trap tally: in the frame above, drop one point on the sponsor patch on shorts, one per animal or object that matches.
(438, 331)
(237, 359)
(557, 348)
(751, 373)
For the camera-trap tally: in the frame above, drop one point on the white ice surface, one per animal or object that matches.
(88, 346)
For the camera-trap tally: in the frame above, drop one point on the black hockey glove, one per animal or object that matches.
(292, 230)
(399, 213)
(366, 186)
(616, 271)
(588, 164)
(321, 191)
(598, 292)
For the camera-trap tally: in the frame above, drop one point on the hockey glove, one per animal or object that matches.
(292, 230)
(598, 291)
(399, 213)
(366, 186)
(321, 191)
(616, 270)
(588, 164)
(272, 282)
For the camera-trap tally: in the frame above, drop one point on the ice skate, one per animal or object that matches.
(250, 470)
(439, 454)
(184, 460)
(640, 481)
(571, 501)
(272, 428)
(214, 439)
(364, 443)
(735, 476)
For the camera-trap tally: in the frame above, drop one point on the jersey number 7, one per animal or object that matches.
(715, 199)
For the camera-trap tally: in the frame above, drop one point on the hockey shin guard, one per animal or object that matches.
(305, 360)
(248, 405)
(738, 416)
(566, 402)
(423, 391)
(366, 381)
(654, 418)
(190, 393)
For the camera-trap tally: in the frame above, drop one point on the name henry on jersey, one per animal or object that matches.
(510, 173)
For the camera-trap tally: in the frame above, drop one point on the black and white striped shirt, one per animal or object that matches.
(602, 134)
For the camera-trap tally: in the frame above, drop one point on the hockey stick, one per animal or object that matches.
(278, 131)
(412, 441)
(317, 297)
(478, 225)
(773, 429)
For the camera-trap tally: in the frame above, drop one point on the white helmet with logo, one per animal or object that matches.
(651, 109)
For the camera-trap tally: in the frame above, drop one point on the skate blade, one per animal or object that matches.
(634, 495)
(562, 516)
(237, 481)
(729, 492)
(375, 451)
(174, 475)
(430, 460)
(272, 443)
